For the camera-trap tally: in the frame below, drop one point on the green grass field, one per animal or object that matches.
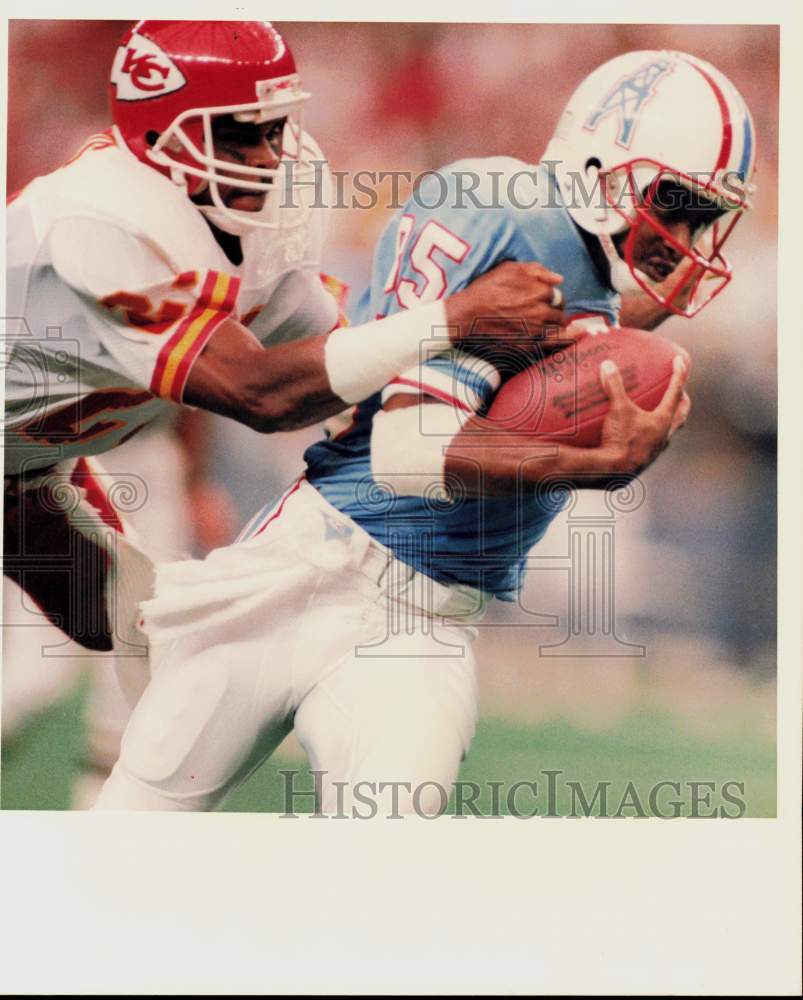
(644, 749)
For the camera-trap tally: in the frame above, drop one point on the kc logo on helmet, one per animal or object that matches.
(141, 70)
(627, 99)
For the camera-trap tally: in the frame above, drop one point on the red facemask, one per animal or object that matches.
(702, 271)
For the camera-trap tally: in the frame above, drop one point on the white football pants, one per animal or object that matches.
(163, 530)
(305, 625)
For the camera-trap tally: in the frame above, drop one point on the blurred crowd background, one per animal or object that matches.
(695, 561)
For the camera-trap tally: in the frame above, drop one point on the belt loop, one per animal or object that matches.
(396, 568)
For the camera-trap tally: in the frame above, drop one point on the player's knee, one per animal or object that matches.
(170, 726)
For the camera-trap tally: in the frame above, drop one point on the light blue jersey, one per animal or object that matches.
(444, 237)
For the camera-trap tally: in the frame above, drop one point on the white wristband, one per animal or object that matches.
(360, 360)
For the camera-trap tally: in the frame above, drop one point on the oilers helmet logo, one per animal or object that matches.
(627, 99)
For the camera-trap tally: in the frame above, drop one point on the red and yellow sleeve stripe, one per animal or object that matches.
(338, 289)
(215, 304)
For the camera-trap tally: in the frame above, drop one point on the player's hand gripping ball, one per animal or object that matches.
(561, 397)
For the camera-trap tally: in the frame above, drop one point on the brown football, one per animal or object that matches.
(561, 397)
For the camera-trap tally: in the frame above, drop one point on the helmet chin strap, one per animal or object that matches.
(622, 278)
(224, 219)
(234, 221)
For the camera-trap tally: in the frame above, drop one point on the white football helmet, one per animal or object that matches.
(642, 119)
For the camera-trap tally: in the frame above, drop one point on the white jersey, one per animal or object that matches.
(115, 284)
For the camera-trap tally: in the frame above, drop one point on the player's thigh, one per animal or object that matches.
(402, 716)
(207, 715)
(156, 462)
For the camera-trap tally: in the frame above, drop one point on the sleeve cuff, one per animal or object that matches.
(182, 348)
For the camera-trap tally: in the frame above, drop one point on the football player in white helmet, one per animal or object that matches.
(348, 604)
(654, 156)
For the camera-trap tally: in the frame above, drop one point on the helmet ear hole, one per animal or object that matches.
(592, 161)
(151, 137)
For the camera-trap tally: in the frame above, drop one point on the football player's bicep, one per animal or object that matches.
(152, 321)
(409, 439)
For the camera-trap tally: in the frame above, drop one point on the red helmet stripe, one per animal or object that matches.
(727, 126)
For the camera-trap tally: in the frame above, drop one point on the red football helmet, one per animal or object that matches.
(169, 80)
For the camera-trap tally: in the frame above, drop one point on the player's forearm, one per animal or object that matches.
(493, 464)
(641, 312)
(297, 384)
(517, 297)
(286, 387)
(312, 379)
(416, 448)
(294, 385)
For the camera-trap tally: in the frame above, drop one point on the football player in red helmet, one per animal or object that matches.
(183, 93)
(166, 263)
(180, 270)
